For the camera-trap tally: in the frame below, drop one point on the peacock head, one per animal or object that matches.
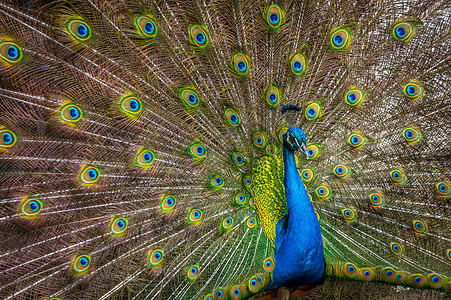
(294, 139)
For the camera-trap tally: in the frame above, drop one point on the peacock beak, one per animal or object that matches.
(303, 148)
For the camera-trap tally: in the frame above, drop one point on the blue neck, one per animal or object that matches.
(299, 247)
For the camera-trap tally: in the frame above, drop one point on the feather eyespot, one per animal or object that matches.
(221, 293)
(195, 216)
(396, 248)
(81, 263)
(216, 182)
(339, 39)
(259, 139)
(238, 292)
(189, 97)
(226, 224)
(271, 149)
(354, 97)
(313, 111)
(238, 159)
(307, 174)
(146, 26)
(198, 36)
(130, 105)
(273, 96)
(341, 171)
(411, 135)
(208, 297)
(413, 90)
(7, 138)
(350, 269)
(402, 31)
(274, 16)
(356, 140)
(377, 199)
(31, 207)
(10, 52)
(240, 64)
(349, 214)
(448, 254)
(79, 30)
(247, 181)
(70, 113)
(312, 152)
(398, 176)
(322, 191)
(253, 285)
(298, 64)
(269, 264)
(167, 204)
(420, 227)
(118, 226)
(388, 274)
(366, 273)
(251, 222)
(89, 175)
(435, 280)
(155, 257)
(417, 280)
(240, 198)
(443, 188)
(232, 117)
(144, 158)
(197, 151)
(193, 272)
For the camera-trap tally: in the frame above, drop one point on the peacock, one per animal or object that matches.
(213, 149)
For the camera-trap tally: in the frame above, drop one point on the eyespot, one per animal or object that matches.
(195, 216)
(400, 277)
(238, 159)
(89, 175)
(240, 64)
(269, 264)
(131, 105)
(31, 207)
(377, 199)
(313, 111)
(197, 151)
(198, 36)
(146, 26)
(411, 135)
(247, 181)
(144, 158)
(341, 170)
(396, 248)
(193, 272)
(259, 139)
(232, 117)
(354, 97)
(70, 113)
(388, 274)
(413, 90)
(251, 202)
(155, 257)
(448, 253)
(221, 293)
(227, 224)
(81, 263)
(239, 198)
(118, 226)
(366, 273)
(208, 297)
(216, 182)
(322, 191)
(237, 292)
(356, 140)
(167, 204)
(189, 97)
(281, 132)
(443, 188)
(420, 227)
(274, 16)
(7, 138)
(307, 174)
(251, 222)
(398, 176)
(417, 280)
(402, 31)
(10, 52)
(350, 269)
(298, 64)
(79, 30)
(273, 96)
(339, 39)
(349, 214)
(312, 152)
(253, 284)
(435, 280)
(271, 149)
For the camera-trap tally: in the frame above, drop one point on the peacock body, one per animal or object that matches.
(219, 149)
